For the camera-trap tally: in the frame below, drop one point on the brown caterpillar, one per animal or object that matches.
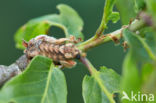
(62, 51)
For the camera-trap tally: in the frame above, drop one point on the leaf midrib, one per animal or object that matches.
(47, 84)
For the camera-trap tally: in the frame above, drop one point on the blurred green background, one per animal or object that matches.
(14, 13)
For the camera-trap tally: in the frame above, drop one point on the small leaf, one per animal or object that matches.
(68, 20)
(40, 83)
(126, 8)
(139, 5)
(114, 17)
(108, 12)
(108, 15)
(92, 90)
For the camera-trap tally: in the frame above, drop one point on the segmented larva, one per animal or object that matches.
(61, 51)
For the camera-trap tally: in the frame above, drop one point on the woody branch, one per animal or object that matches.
(114, 36)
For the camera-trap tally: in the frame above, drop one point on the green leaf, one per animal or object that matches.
(126, 8)
(40, 83)
(147, 69)
(108, 15)
(139, 5)
(151, 7)
(142, 51)
(135, 73)
(93, 89)
(114, 17)
(137, 80)
(108, 12)
(131, 80)
(68, 20)
(149, 77)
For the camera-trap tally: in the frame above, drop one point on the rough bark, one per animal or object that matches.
(7, 72)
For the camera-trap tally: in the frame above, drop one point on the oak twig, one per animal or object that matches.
(114, 36)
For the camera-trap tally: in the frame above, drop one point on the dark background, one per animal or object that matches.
(14, 13)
